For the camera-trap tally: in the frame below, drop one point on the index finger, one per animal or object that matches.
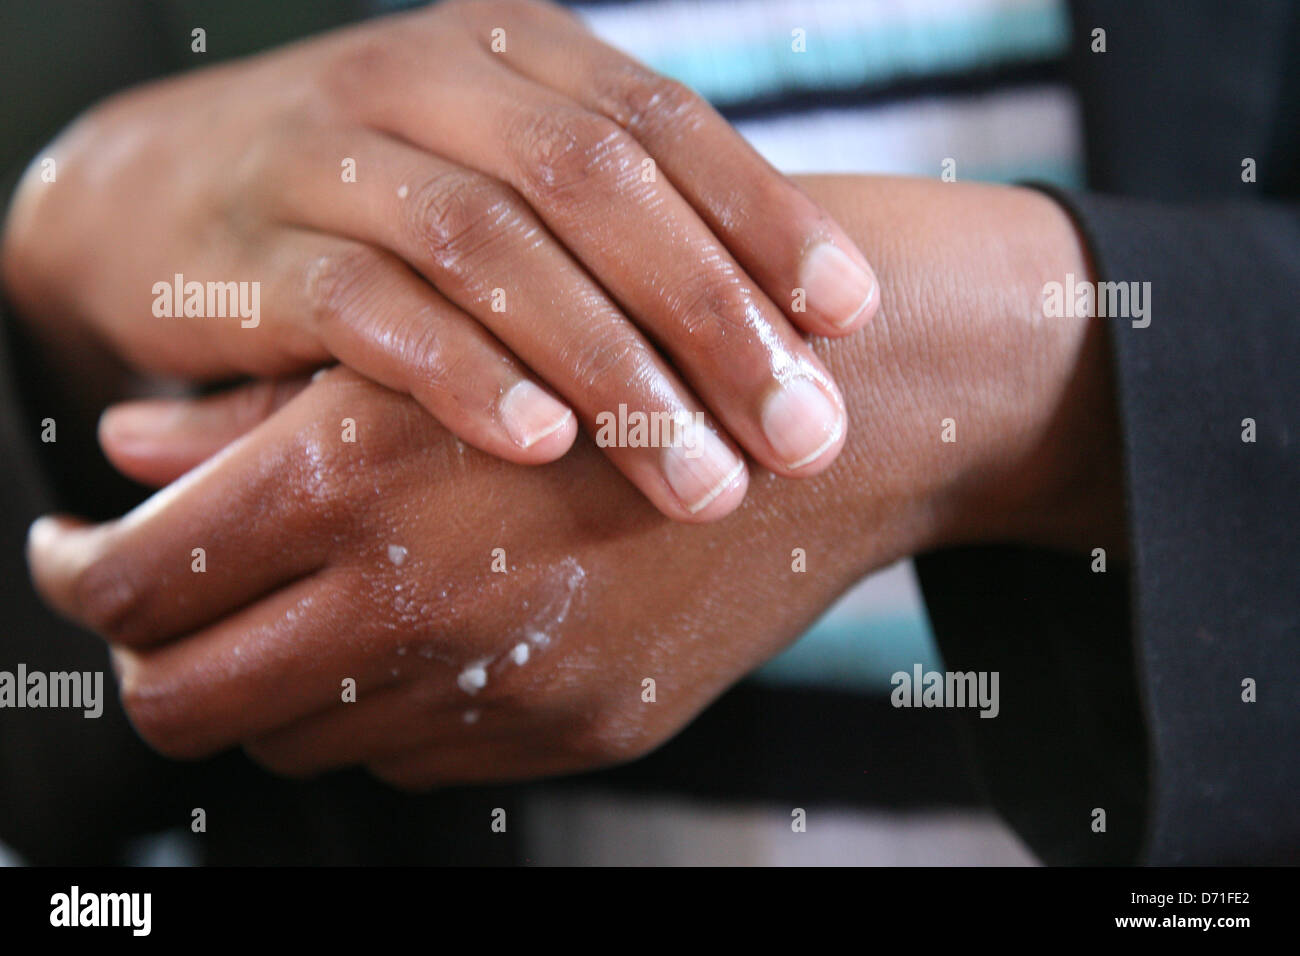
(806, 264)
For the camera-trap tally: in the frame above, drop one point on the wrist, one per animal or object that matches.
(972, 416)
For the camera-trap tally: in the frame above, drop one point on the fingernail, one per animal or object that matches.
(801, 422)
(47, 538)
(126, 666)
(837, 286)
(55, 548)
(699, 467)
(41, 533)
(529, 414)
(138, 421)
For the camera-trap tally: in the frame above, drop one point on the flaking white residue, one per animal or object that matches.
(473, 678)
(572, 576)
(554, 609)
(397, 554)
(536, 631)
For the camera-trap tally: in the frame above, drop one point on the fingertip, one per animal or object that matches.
(804, 422)
(818, 462)
(841, 289)
(128, 423)
(49, 532)
(143, 440)
(55, 553)
(41, 535)
(126, 666)
(552, 445)
(727, 500)
(866, 311)
(536, 422)
(136, 452)
(706, 477)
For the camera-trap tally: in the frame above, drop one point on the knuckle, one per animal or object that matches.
(640, 99)
(561, 151)
(309, 481)
(710, 309)
(425, 351)
(437, 369)
(313, 466)
(335, 282)
(609, 737)
(442, 371)
(609, 360)
(108, 597)
(363, 69)
(453, 215)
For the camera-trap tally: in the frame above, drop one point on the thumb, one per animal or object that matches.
(157, 440)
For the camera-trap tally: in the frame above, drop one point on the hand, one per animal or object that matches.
(373, 561)
(523, 224)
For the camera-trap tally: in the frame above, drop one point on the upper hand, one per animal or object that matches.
(525, 227)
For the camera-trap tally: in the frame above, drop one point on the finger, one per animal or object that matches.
(155, 441)
(581, 173)
(385, 722)
(377, 316)
(808, 252)
(477, 241)
(273, 663)
(238, 526)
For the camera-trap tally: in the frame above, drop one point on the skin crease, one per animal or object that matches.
(960, 335)
(476, 172)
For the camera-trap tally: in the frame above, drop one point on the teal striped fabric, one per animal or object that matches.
(726, 71)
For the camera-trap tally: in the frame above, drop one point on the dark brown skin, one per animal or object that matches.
(299, 592)
(477, 259)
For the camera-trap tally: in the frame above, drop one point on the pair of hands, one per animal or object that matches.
(479, 205)
(375, 566)
(373, 561)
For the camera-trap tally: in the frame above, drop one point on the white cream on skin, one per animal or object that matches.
(567, 578)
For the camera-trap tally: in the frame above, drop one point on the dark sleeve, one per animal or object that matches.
(1177, 711)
